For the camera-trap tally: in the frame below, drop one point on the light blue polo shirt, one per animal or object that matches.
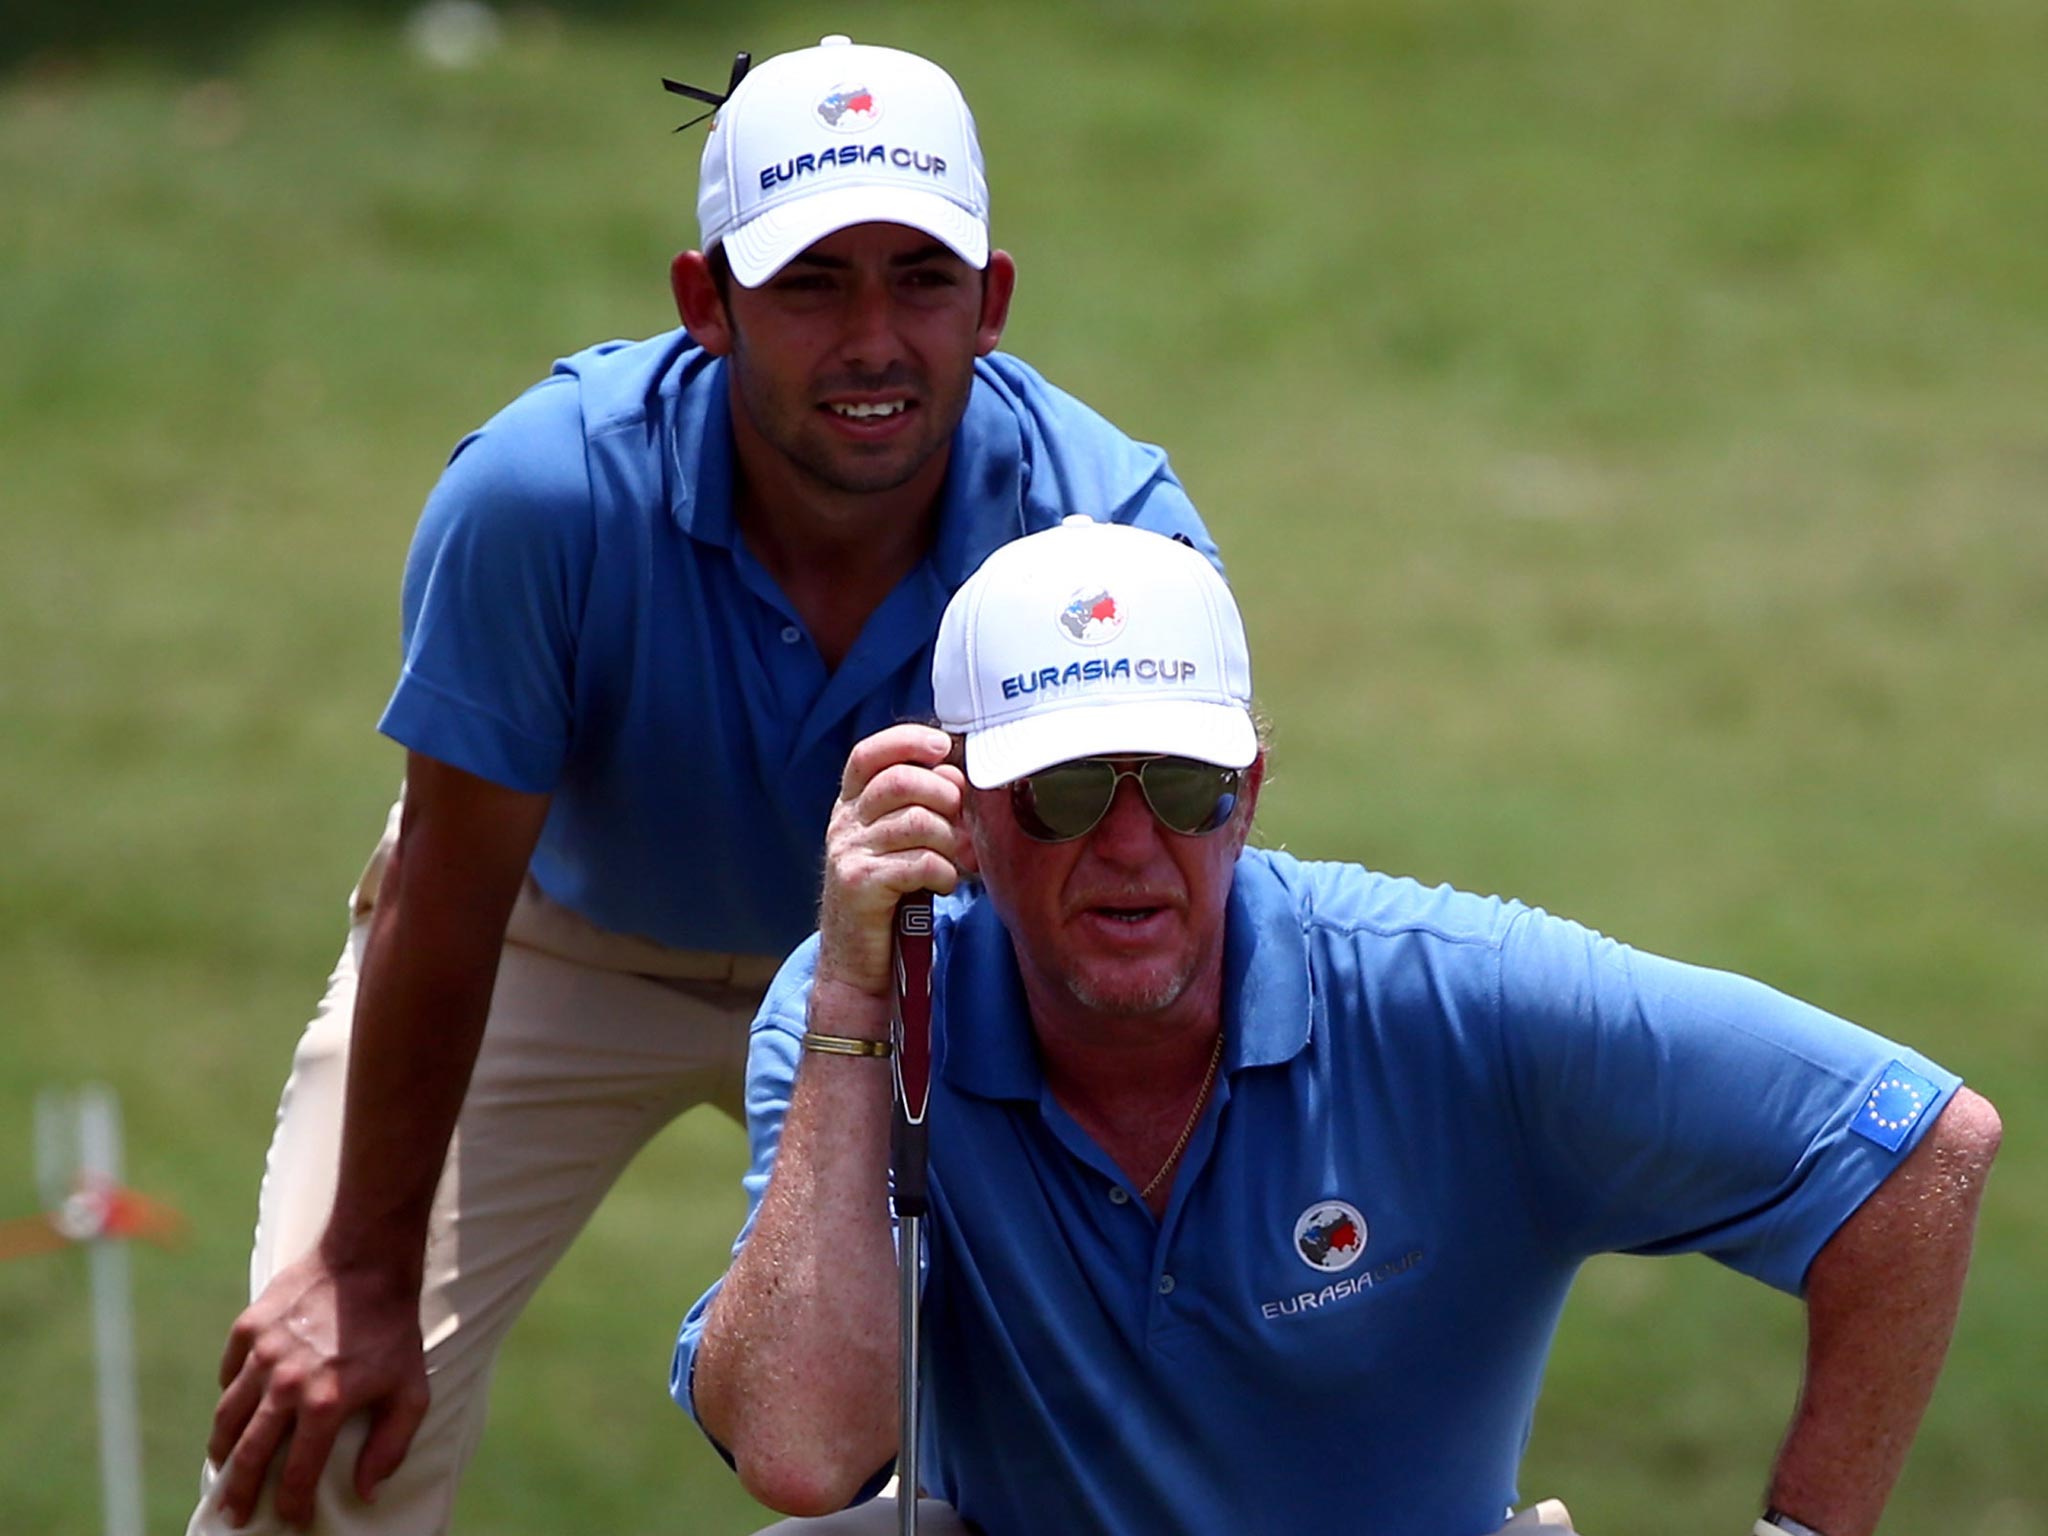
(1433, 1107)
(581, 617)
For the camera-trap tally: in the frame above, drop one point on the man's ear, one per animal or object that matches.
(998, 286)
(1254, 779)
(701, 310)
(967, 857)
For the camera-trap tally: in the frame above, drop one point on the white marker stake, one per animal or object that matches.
(113, 1323)
(78, 1148)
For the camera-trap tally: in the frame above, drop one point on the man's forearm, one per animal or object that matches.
(1881, 1303)
(420, 1013)
(796, 1374)
(335, 1332)
(436, 934)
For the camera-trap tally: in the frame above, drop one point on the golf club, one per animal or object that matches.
(913, 1058)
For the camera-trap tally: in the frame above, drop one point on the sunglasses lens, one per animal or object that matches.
(1190, 797)
(1064, 801)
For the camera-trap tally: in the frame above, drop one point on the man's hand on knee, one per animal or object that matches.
(314, 1349)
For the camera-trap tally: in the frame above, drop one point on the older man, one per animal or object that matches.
(1257, 1185)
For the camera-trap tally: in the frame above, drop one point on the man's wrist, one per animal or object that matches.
(375, 1256)
(841, 1008)
(1776, 1522)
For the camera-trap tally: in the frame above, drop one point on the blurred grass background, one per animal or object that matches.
(1627, 427)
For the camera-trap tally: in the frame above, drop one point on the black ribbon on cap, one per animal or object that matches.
(741, 63)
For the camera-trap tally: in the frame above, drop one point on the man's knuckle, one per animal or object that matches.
(288, 1382)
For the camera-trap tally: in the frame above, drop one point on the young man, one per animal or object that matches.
(1257, 1185)
(650, 607)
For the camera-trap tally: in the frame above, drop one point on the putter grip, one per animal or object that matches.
(913, 1054)
(907, 1188)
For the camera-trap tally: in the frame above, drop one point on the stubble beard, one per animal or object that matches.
(1129, 997)
(788, 428)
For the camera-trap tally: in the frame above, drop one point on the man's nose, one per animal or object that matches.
(1128, 832)
(871, 340)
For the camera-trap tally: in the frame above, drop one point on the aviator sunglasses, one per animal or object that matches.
(1068, 800)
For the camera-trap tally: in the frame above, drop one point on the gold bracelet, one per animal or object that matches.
(845, 1045)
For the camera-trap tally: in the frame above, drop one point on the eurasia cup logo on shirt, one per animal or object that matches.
(1329, 1236)
(1091, 616)
(849, 108)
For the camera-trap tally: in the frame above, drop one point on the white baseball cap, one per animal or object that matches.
(845, 133)
(1093, 640)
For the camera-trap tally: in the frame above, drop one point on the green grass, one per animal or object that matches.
(1624, 423)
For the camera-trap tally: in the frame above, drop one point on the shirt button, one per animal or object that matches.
(791, 634)
(1166, 1285)
(1118, 1195)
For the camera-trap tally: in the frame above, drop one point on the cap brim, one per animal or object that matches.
(1209, 732)
(762, 246)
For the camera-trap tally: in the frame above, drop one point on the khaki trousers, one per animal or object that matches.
(594, 1042)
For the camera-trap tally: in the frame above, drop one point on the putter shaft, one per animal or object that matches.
(907, 1314)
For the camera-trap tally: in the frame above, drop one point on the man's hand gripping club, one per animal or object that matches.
(898, 828)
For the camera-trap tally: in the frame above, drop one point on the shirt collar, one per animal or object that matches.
(1268, 996)
(701, 451)
(982, 505)
(986, 1045)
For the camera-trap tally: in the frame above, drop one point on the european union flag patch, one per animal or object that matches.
(1894, 1106)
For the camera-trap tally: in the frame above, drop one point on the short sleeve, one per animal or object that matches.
(492, 599)
(1669, 1108)
(1163, 507)
(1077, 460)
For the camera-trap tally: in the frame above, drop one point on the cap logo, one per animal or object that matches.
(1091, 616)
(849, 109)
(1329, 1236)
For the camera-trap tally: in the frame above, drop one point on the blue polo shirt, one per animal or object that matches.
(581, 617)
(1433, 1107)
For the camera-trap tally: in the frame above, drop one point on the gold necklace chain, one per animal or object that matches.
(1202, 1098)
